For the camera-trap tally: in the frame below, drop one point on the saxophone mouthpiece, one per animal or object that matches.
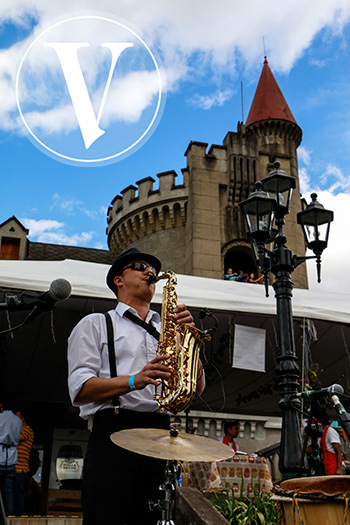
(156, 278)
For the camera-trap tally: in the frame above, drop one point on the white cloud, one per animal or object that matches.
(304, 181)
(335, 259)
(50, 231)
(190, 41)
(208, 101)
(333, 192)
(100, 246)
(334, 175)
(71, 240)
(67, 204)
(331, 179)
(304, 155)
(131, 96)
(319, 63)
(37, 227)
(72, 206)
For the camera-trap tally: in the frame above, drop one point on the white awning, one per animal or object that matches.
(89, 280)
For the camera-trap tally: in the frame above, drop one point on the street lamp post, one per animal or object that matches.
(269, 204)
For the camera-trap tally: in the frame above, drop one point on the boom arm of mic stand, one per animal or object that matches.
(343, 416)
(25, 301)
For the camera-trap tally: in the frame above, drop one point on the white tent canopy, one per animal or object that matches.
(34, 364)
(89, 280)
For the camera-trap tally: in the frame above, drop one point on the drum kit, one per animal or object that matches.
(172, 446)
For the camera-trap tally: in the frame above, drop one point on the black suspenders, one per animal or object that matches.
(111, 355)
(111, 350)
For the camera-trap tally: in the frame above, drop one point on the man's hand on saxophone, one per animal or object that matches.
(183, 316)
(152, 372)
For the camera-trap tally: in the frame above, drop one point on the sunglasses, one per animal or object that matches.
(140, 267)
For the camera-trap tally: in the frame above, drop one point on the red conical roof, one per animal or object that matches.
(268, 102)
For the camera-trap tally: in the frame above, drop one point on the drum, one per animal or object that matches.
(313, 501)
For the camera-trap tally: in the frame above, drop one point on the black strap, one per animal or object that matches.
(147, 326)
(111, 353)
(6, 446)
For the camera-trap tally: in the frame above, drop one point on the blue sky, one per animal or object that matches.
(207, 49)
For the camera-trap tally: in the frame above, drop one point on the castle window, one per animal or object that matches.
(240, 258)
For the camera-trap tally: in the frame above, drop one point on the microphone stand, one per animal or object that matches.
(343, 416)
(314, 462)
(166, 506)
(303, 451)
(26, 301)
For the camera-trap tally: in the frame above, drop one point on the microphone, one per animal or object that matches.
(60, 289)
(321, 392)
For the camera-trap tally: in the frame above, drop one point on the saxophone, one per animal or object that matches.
(182, 343)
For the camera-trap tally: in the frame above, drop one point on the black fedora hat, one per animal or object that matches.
(127, 257)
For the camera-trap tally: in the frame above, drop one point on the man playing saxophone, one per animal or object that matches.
(118, 484)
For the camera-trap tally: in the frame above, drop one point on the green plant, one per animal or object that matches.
(258, 510)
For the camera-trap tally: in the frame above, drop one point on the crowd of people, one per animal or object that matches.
(242, 277)
(16, 440)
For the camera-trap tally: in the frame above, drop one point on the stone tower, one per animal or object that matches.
(197, 228)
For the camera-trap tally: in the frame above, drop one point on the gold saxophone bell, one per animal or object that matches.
(182, 343)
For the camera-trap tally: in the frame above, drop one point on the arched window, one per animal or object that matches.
(240, 258)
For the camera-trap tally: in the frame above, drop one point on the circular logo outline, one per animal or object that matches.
(110, 158)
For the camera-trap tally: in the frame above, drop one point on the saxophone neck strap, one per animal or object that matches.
(111, 354)
(146, 326)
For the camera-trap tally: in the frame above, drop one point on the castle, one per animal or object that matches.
(197, 228)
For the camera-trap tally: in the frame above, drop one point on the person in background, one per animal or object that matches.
(252, 279)
(230, 276)
(22, 466)
(331, 448)
(231, 430)
(10, 431)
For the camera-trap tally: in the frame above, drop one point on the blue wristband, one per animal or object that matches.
(131, 382)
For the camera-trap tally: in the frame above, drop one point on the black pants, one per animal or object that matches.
(117, 484)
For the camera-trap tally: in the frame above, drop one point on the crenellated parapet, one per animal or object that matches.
(142, 210)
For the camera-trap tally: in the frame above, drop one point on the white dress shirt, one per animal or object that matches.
(10, 431)
(88, 357)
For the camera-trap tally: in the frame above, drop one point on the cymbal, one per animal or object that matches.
(158, 443)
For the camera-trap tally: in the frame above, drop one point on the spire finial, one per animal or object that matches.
(265, 61)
